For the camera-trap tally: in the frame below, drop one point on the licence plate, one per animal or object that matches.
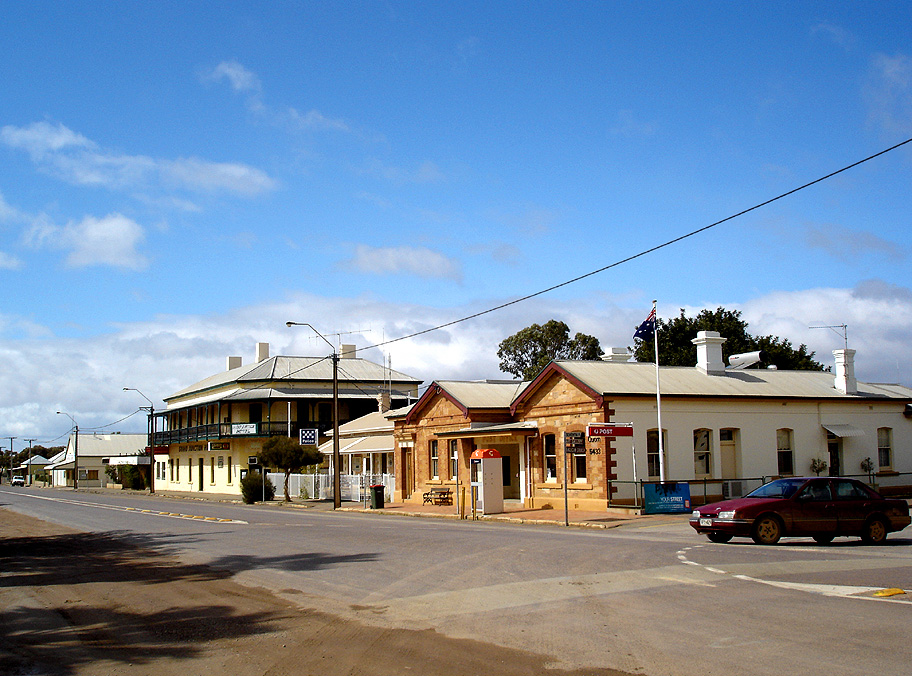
(706, 522)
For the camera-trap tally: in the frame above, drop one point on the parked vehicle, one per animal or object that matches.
(18, 481)
(819, 507)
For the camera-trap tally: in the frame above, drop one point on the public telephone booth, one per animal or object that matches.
(487, 481)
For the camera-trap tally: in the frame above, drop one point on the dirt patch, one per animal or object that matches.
(73, 603)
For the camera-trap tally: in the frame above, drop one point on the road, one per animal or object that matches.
(652, 598)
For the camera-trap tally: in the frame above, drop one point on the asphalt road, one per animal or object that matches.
(645, 597)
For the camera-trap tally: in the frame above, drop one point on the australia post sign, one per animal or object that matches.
(607, 430)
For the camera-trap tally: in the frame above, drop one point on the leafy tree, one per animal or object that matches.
(252, 488)
(676, 348)
(527, 352)
(288, 455)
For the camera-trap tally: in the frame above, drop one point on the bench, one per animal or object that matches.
(438, 496)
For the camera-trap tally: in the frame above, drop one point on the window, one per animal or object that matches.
(885, 447)
(435, 472)
(550, 451)
(652, 452)
(785, 454)
(171, 468)
(579, 468)
(454, 458)
(702, 453)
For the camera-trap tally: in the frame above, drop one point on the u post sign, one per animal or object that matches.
(609, 430)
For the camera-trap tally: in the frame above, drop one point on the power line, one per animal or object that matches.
(641, 253)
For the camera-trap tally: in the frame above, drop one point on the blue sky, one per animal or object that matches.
(177, 180)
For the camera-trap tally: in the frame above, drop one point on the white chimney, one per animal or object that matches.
(235, 362)
(349, 351)
(262, 352)
(616, 354)
(709, 352)
(383, 401)
(845, 371)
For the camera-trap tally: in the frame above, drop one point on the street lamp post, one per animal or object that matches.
(75, 450)
(337, 462)
(11, 457)
(151, 429)
(30, 470)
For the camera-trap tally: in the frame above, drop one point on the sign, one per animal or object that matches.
(307, 437)
(252, 460)
(219, 446)
(243, 428)
(608, 430)
(671, 497)
(575, 442)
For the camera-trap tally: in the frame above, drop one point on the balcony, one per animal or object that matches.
(219, 431)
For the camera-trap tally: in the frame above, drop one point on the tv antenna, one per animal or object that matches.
(844, 332)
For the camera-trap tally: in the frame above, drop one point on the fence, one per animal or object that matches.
(703, 491)
(354, 487)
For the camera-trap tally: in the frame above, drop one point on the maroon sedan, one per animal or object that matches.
(819, 507)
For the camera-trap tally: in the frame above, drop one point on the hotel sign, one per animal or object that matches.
(243, 428)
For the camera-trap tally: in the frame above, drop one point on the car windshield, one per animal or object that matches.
(780, 488)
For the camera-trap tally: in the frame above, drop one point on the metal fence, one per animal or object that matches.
(354, 487)
(703, 491)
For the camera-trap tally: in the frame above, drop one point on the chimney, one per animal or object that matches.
(349, 351)
(383, 401)
(262, 352)
(709, 352)
(235, 362)
(616, 354)
(845, 371)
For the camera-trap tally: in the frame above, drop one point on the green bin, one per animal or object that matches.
(376, 492)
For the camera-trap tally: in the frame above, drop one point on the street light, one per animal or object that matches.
(151, 438)
(75, 450)
(337, 462)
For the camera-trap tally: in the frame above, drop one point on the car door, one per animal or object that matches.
(853, 504)
(814, 510)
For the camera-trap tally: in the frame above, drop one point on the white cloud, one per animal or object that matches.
(112, 240)
(847, 245)
(889, 92)
(426, 172)
(240, 79)
(9, 262)
(9, 213)
(418, 261)
(74, 159)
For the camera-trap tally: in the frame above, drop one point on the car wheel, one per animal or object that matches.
(767, 530)
(823, 539)
(720, 538)
(875, 531)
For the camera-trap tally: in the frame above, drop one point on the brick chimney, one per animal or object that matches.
(234, 362)
(709, 352)
(845, 371)
(262, 352)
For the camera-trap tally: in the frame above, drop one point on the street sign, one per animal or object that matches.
(575, 442)
(620, 430)
(308, 437)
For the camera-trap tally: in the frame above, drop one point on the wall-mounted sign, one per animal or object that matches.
(308, 437)
(243, 428)
(604, 430)
(219, 446)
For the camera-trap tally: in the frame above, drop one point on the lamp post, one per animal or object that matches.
(151, 429)
(75, 450)
(30, 470)
(337, 462)
(11, 457)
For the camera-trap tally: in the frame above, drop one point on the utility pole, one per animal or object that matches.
(151, 433)
(75, 450)
(11, 457)
(29, 473)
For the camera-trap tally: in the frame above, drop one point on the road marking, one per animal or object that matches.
(833, 590)
(150, 512)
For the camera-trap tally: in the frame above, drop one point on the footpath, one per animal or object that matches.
(514, 512)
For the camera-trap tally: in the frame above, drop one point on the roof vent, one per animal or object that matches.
(709, 352)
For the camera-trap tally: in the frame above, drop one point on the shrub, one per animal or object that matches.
(252, 488)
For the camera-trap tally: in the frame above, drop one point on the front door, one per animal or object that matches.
(834, 445)
(202, 469)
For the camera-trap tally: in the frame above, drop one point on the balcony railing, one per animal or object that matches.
(235, 430)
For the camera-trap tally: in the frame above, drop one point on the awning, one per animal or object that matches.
(842, 431)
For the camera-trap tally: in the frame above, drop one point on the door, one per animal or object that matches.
(202, 477)
(815, 510)
(834, 445)
(409, 487)
(853, 505)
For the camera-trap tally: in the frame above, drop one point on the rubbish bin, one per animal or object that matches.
(376, 492)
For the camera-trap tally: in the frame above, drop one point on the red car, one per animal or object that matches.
(819, 507)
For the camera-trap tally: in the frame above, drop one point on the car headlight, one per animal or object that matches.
(727, 516)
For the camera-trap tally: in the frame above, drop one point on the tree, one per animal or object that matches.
(676, 348)
(288, 455)
(527, 352)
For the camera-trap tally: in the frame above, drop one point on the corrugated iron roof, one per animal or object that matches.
(481, 394)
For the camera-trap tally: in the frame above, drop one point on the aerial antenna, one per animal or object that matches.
(844, 333)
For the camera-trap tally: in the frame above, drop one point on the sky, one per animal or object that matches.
(179, 179)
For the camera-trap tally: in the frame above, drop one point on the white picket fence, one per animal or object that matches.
(354, 487)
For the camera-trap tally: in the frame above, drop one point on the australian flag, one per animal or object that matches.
(647, 328)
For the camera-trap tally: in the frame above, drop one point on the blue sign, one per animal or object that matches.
(308, 437)
(671, 497)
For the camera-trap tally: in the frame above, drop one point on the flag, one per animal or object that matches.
(647, 328)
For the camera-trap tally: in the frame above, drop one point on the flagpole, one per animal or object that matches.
(655, 336)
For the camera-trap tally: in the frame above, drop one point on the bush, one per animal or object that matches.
(128, 476)
(252, 488)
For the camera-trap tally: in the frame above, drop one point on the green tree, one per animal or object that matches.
(527, 352)
(288, 455)
(676, 348)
